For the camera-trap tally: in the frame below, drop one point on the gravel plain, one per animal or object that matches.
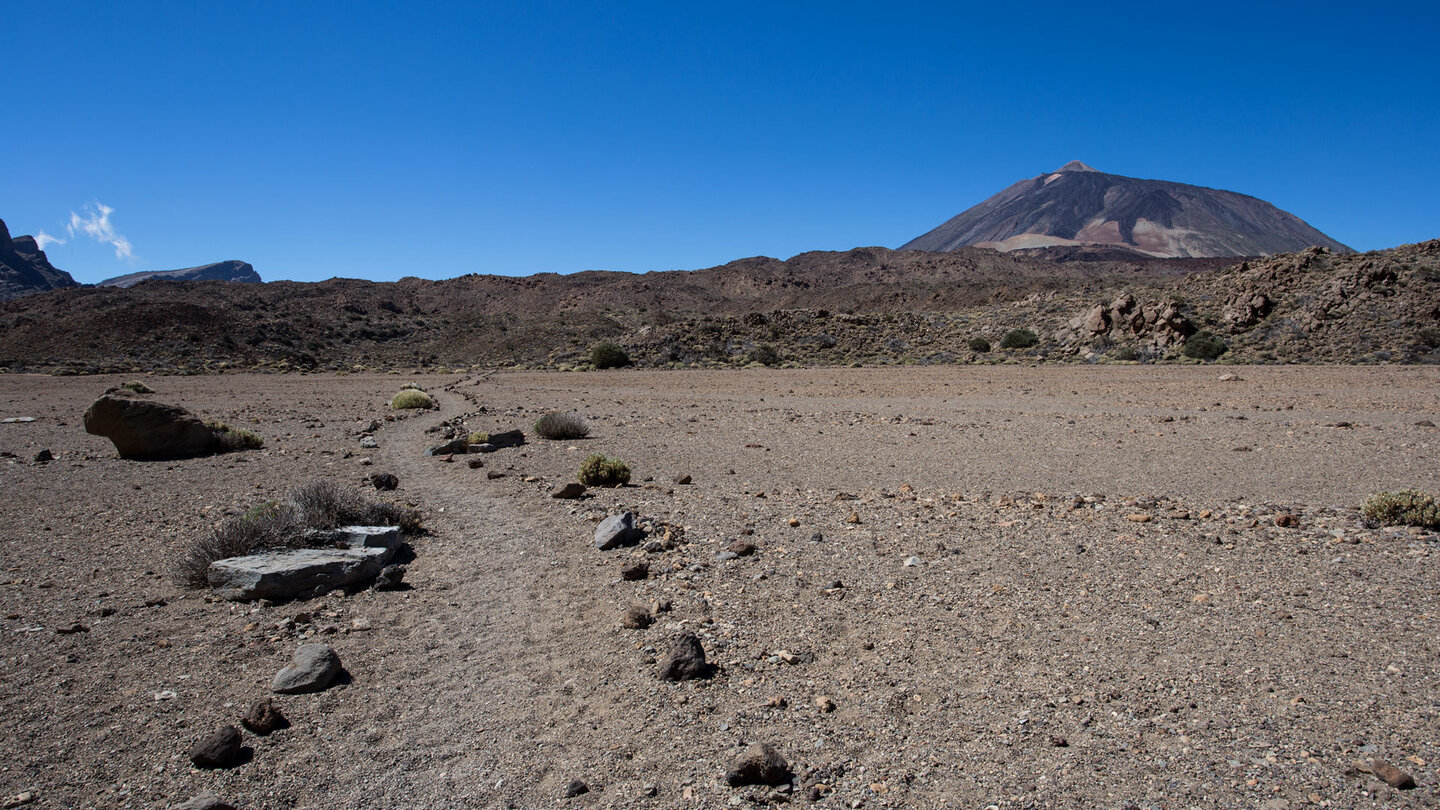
(970, 587)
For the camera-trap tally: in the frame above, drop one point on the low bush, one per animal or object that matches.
(412, 398)
(478, 437)
(979, 345)
(285, 524)
(1126, 353)
(232, 439)
(598, 471)
(1404, 508)
(608, 355)
(1204, 346)
(558, 425)
(1019, 339)
(765, 355)
(138, 387)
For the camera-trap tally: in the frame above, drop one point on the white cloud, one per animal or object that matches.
(96, 225)
(44, 239)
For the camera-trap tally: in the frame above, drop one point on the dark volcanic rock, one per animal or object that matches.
(264, 717)
(686, 661)
(230, 270)
(145, 429)
(385, 481)
(761, 764)
(218, 750)
(24, 268)
(1077, 205)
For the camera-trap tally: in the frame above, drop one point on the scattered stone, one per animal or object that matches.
(682, 480)
(760, 764)
(824, 704)
(218, 750)
(44, 456)
(1138, 518)
(368, 442)
(817, 537)
(854, 518)
(635, 570)
(912, 561)
(73, 627)
(475, 463)
(1057, 741)
(493, 475)
(17, 420)
(568, 492)
(264, 717)
(637, 618)
(146, 429)
(384, 481)
(205, 801)
(741, 548)
(1230, 378)
(1393, 776)
(1424, 423)
(311, 669)
(576, 788)
(460, 445)
(1286, 521)
(616, 531)
(686, 661)
(20, 799)
(296, 573)
(390, 578)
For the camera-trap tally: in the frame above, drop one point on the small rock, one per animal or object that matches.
(492, 475)
(475, 463)
(817, 537)
(576, 788)
(1286, 521)
(636, 618)
(911, 562)
(854, 518)
(635, 570)
(264, 717)
(384, 481)
(450, 448)
(365, 461)
(218, 750)
(569, 491)
(73, 627)
(686, 661)
(1057, 741)
(1393, 776)
(682, 480)
(1138, 518)
(1230, 378)
(390, 578)
(824, 704)
(1424, 423)
(368, 442)
(44, 456)
(205, 801)
(760, 764)
(615, 531)
(741, 548)
(20, 799)
(312, 669)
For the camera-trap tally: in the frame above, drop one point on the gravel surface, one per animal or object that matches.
(1007, 586)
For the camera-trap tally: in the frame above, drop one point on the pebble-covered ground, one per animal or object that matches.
(954, 587)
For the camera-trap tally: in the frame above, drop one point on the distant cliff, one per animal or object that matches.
(232, 270)
(24, 269)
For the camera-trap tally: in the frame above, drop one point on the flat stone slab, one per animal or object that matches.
(354, 537)
(295, 574)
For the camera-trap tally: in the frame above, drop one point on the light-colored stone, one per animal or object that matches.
(311, 669)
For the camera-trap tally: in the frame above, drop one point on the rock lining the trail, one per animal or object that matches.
(353, 556)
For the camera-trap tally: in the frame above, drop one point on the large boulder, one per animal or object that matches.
(146, 429)
(354, 556)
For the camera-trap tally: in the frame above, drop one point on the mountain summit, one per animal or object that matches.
(1079, 205)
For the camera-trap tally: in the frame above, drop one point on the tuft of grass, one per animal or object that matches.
(608, 354)
(138, 387)
(232, 439)
(478, 437)
(1403, 508)
(412, 398)
(285, 524)
(979, 345)
(1019, 339)
(598, 471)
(558, 425)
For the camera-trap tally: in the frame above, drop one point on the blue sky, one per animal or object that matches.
(378, 140)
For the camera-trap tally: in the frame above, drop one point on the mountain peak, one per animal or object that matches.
(1076, 166)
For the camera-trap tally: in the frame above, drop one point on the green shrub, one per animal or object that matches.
(979, 345)
(232, 439)
(608, 355)
(558, 425)
(1429, 337)
(1405, 508)
(1019, 339)
(598, 471)
(412, 398)
(1124, 353)
(765, 355)
(1204, 346)
(286, 524)
(478, 437)
(138, 387)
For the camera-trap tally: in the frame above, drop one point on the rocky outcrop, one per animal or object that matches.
(1161, 323)
(24, 268)
(231, 270)
(146, 429)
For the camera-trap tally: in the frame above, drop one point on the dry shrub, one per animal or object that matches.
(286, 524)
(412, 398)
(137, 386)
(232, 439)
(557, 425)
(598, 471)
(1404, 508)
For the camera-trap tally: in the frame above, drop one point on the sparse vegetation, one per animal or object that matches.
(979, 345)
(1124, 353)
(478, 437)
(599, 471)
(765, 355)
(560, 425)
(412, 398)
(1019, 339)
(1404, 508)
(608, 355)
(1204, 346)
(232, 439)
(285, 524)
(137, 387)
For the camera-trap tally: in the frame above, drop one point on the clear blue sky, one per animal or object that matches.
(377, 140)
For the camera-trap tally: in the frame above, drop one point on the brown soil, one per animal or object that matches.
(1185, 649)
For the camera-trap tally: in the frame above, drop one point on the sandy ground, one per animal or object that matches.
(1059, 587)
